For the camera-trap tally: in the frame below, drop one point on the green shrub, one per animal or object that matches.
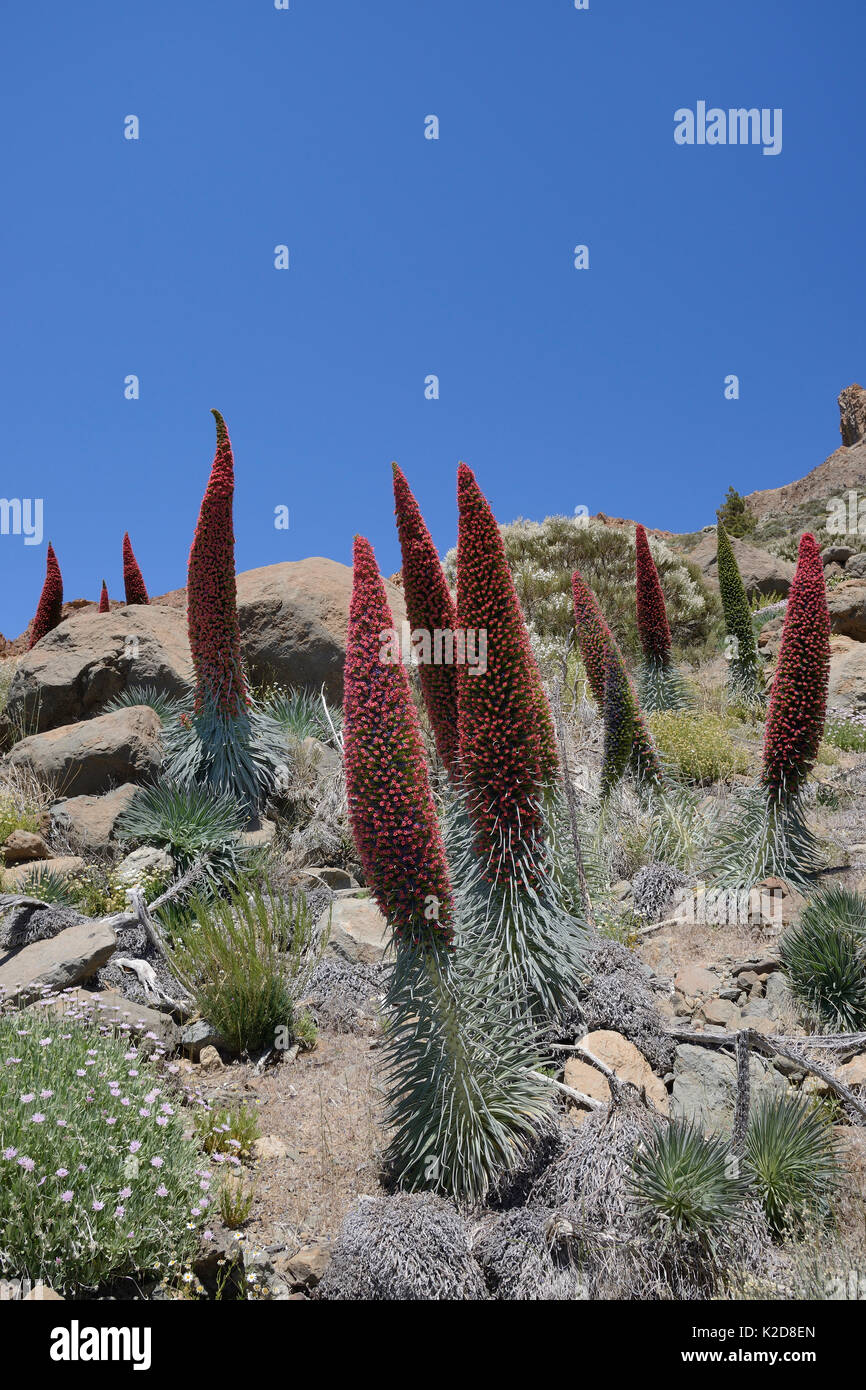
(228, 1130)
(245, 960)
(168, 707)
(192, 823)
(824, 959)
(96, 1177)
(700, 745)
(542, 557)
(13, 818)
(846, 731)
(685, 1185)
(791, 1155)
(735, 516)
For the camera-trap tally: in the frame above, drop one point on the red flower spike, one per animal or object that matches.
(429, 607)
(104, 605)
(50, 608)
(212, 615)
(798, 701)
(133, 582)
(391, 808)
(507, 740)
(596, 643)
(652, 618)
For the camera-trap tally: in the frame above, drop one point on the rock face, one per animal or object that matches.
(705, 1086)
(848, 674)
(359, 932)
(852, 412)
(856, 566)
(91, 657)
(293, 619)
(90, 821)
(763, 573)
(623, 1058)
(23, 846)
(847, 605)
(56, 963)
(94, 755)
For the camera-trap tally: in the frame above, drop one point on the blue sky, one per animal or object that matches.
(411, 257)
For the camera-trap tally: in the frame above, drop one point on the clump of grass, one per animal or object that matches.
(300, 714)
(228, 1129)
(236, 1197)
(168, 707)
(824, 959)
(193, 823)
(699, 745)
(245, 960)
(791, 1155)
(23, 799)
(97, 1178)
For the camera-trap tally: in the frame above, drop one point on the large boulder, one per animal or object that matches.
(705, 1086)
(856, 566)
(96, 754)
(847, 605)
(57, 962)
(71, 673)
(848, 674)
(293, 620)
(358, 931)
(90, 821)
(762, 572)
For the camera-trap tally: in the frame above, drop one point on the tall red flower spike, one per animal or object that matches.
(104, 605)
(133, 582)
(212, 614)
(652, 618)
(507, 740)
(596, 643)
(430, 608)
(798, 702)
(50, 608)
(391, 808)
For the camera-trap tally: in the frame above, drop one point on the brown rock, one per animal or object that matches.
(270, 1146)
(72, 672)
(847, 605)
(64, 866)
(359, 932)
(624, 1059)
(307, 1267)
(720, 1012)
(693, 980)
(848, 674)
(22, 847)
(91, 756)
(853, 1073)
(209, 1059)
(56, 963)
(763, 572)
(89, 821)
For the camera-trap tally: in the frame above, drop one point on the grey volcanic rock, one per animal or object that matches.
(71, 673)
(763, 573)
(847, 605)
(95, 754)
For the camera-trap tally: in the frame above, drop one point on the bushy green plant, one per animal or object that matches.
(245, 959)
(846, 730)
(228, 1129)
(48, 886)
(735, 516)
(542, 557)
(97, 1178)
(791, 1156)
(13, 818)
(700, 745)
(301, 714)
(686, 1186)
(168, 707)
(824, 959)
(193, 823)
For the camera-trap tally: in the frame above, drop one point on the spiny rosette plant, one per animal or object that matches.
(430, 608)
(512, 899)
(104, 603)
(595, 641)
(462, 1101)
(133, 580)
(50, 608)
(745, 679)
(661, 682)
(225, 740)
(768, 832)
(97, 1176)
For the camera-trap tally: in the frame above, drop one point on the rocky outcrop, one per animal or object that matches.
(852, 412)
(96, 754)
(80, 665)
(56, 962)
(848, 674)
(763, 572)
(705, 1086)
(359, 932)
(847, 605)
